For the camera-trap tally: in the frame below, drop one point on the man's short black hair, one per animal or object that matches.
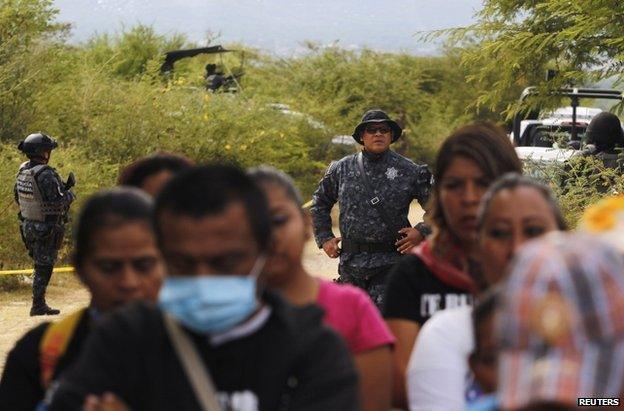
(207, 191)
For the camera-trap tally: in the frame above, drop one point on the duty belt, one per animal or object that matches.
(350, 246)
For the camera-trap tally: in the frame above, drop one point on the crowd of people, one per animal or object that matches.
(200, 299)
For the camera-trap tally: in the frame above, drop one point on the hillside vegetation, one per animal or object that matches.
(106, 103)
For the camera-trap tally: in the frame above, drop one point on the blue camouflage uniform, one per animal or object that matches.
(396, 181)
(44, 203)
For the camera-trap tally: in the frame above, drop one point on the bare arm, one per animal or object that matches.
(375, 370)
(405, 332)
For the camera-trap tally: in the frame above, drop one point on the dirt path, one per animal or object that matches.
(67, 294)
(64, 293)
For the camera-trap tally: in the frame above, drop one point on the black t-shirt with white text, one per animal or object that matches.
(415, 293)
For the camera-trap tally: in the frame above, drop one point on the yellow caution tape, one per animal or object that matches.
(68, 269)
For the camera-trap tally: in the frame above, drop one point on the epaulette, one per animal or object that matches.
(332, 167)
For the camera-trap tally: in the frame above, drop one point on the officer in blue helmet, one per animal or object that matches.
(44, 201)
(374, 189)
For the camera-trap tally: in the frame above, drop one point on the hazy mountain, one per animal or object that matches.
(277, 25)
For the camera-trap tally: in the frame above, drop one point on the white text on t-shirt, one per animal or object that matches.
(430, 303)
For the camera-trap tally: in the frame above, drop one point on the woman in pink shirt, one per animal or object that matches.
(348, 310)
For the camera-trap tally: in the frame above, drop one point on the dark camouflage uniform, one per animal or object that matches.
(397, 181)
(43, 239)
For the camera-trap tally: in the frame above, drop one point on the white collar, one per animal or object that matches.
(250, 326)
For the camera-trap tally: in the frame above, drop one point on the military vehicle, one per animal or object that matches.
(217, 79)
(547, 139)
(534, 128)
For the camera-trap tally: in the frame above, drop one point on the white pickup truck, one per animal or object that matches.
(538, 132)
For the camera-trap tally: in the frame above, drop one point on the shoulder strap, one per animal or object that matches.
(375, 201)
(192, 364)
(23, 166)
(38, 169)
(54, 343)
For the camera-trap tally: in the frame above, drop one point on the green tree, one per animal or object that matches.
(337, 86)
(29, 37)
(517, 40)
(131, 52)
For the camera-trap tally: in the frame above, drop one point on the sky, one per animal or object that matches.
(277, 26)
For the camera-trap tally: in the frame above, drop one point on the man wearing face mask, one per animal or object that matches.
(217, 340)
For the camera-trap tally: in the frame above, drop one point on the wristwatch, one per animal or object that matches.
(423, 229)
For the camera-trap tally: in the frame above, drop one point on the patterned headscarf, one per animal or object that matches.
(562, 322)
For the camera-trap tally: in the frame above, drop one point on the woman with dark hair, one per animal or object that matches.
(152, 172)
(436, 273)
(515, 210)
(116, 258)
(348, 310)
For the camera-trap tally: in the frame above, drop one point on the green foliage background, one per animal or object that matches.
(107, 104)
(515, 40)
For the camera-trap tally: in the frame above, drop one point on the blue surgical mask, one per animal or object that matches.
(211, 304)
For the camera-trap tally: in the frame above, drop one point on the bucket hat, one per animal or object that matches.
(376, 116)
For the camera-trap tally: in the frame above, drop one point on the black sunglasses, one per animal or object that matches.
(375, 129)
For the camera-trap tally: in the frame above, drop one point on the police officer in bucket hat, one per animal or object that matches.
(374, 189)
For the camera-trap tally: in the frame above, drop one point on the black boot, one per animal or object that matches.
(40, 283)
(39, 307)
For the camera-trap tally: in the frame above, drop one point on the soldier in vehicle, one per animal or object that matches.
(600, 163)
(214, 77)
(373, 206)
(605, 139)
(44, 201)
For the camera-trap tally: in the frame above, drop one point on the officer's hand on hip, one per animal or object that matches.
(411, 238)
(331, 247)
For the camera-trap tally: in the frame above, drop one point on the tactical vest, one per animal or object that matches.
(31, 203)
